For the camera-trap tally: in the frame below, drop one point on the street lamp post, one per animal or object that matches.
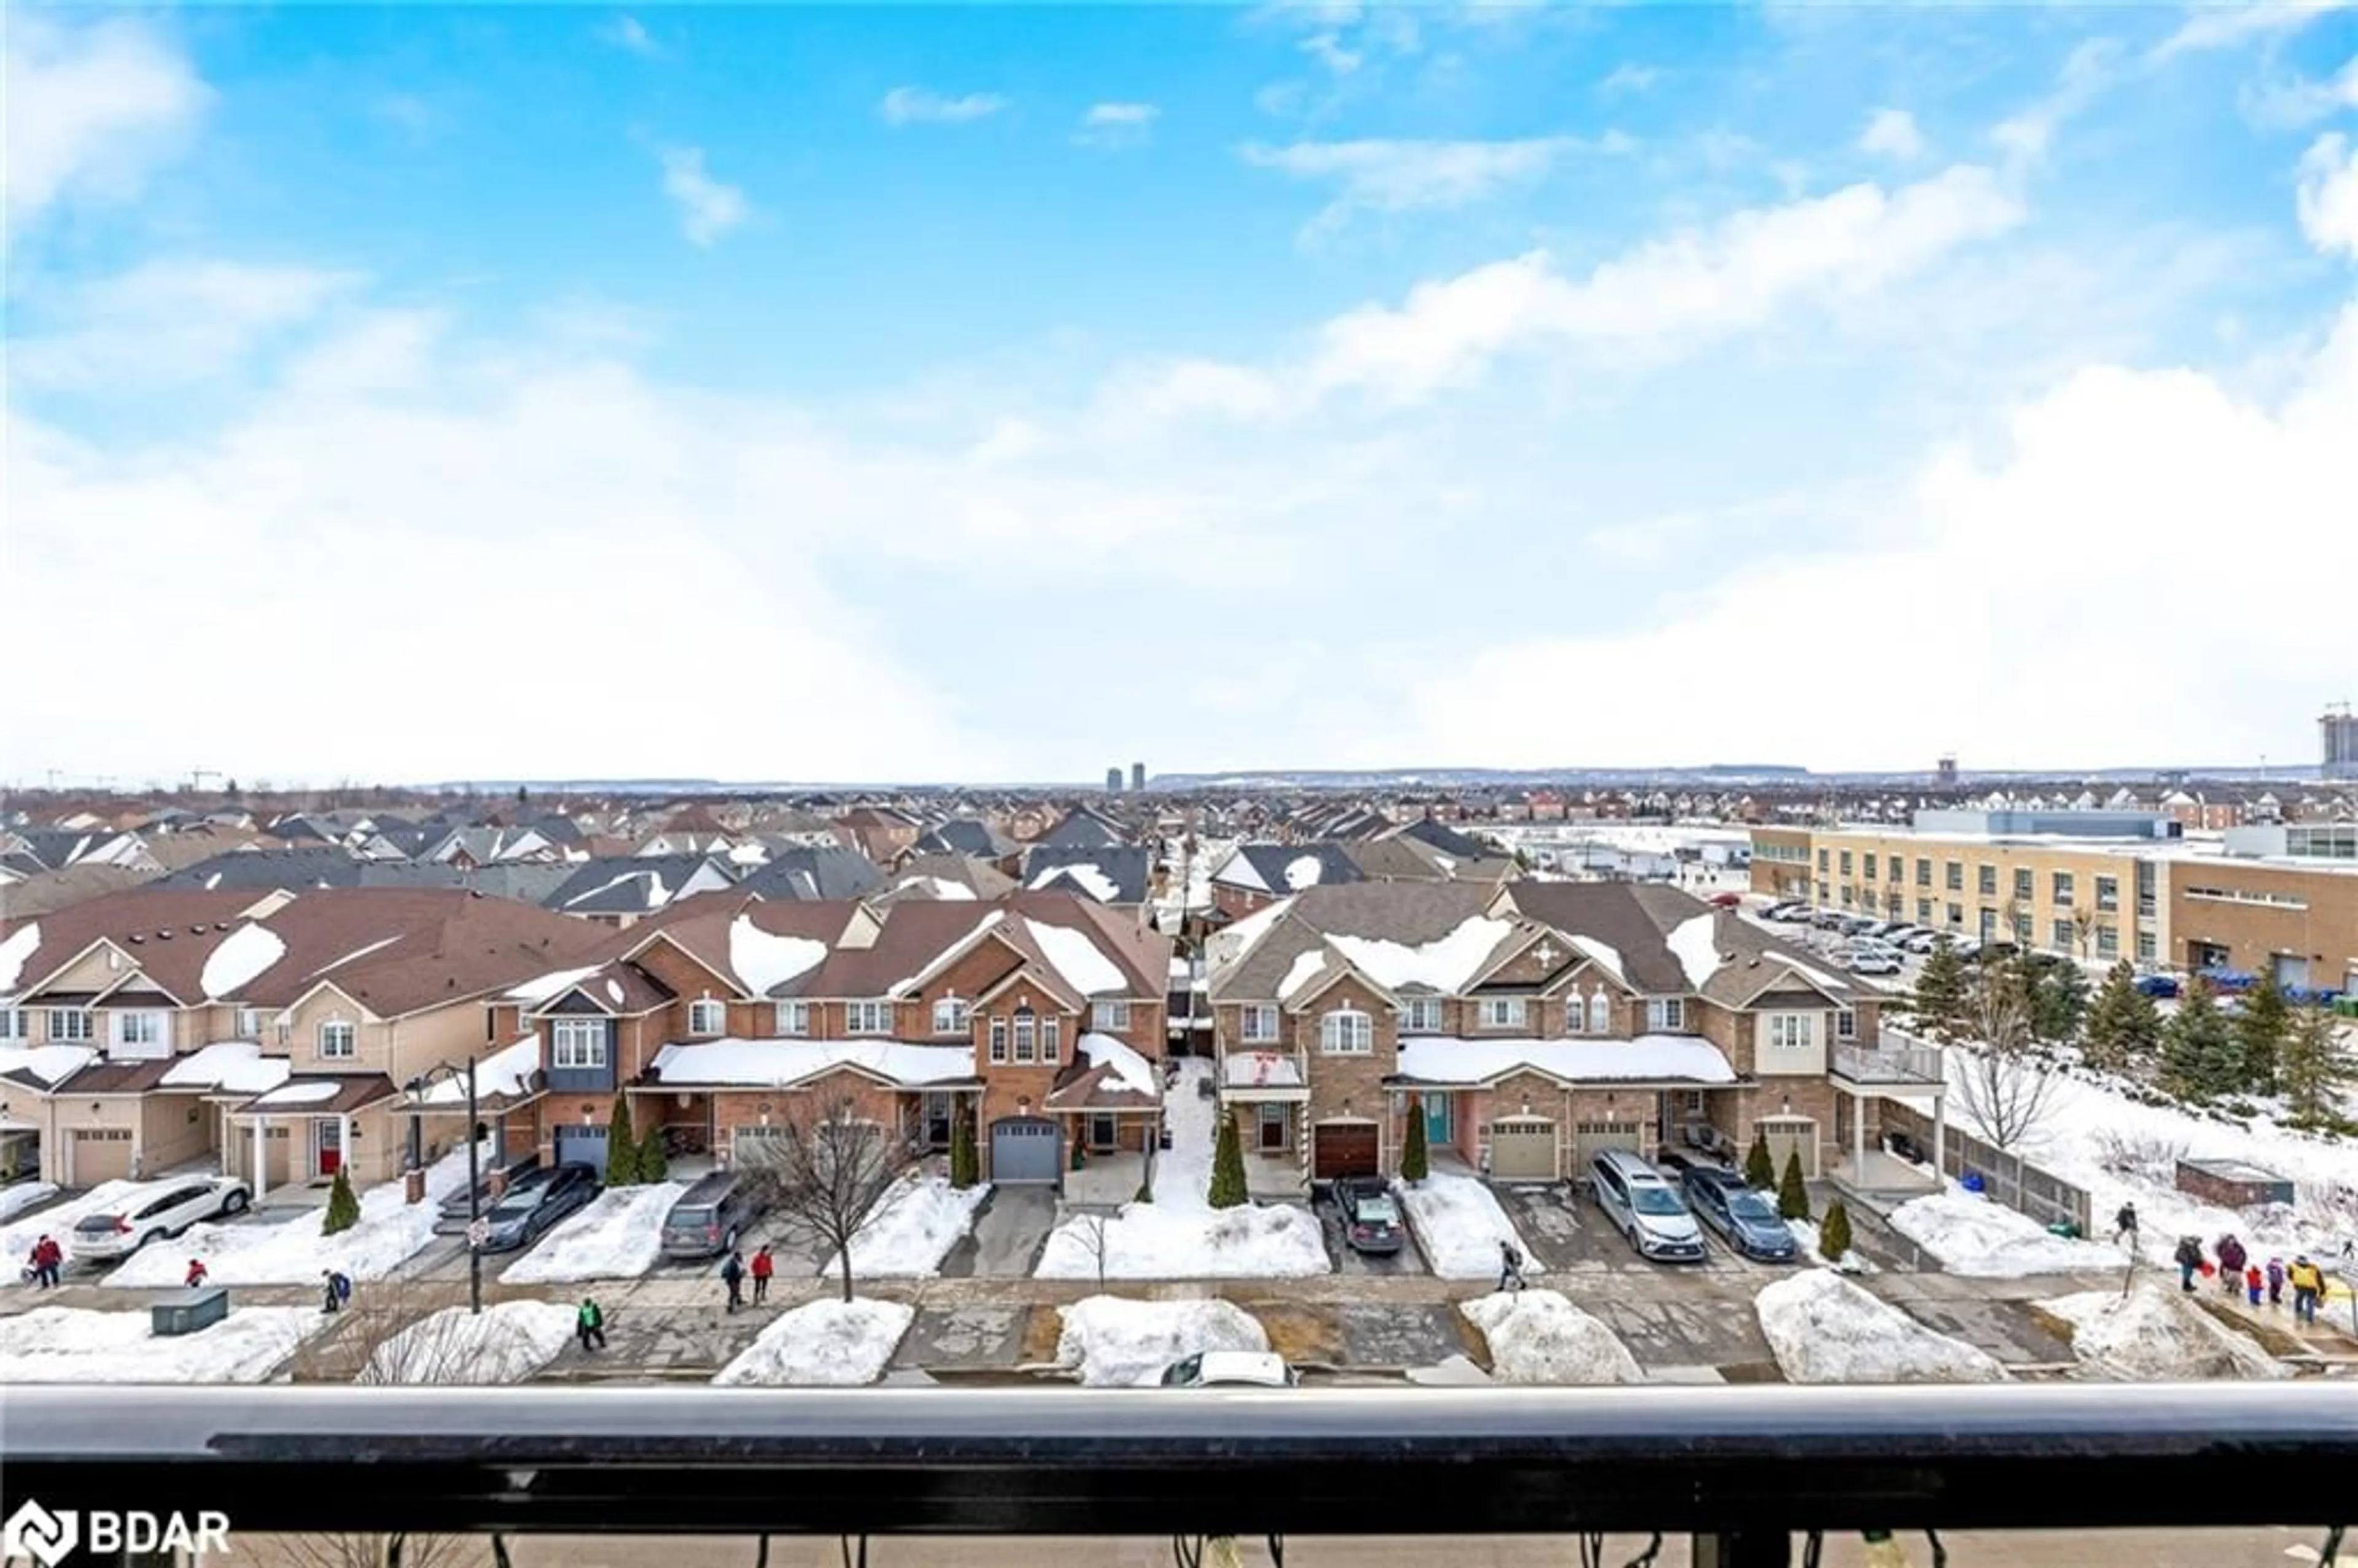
(474, 1178)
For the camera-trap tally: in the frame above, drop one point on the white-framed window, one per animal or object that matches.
(1420, 1015)
(1052, 1040)
(1026, 1036)
(138, 1029)
(1845, 1024)
(872, 1016)
(1504, 1012)
(249, 1023)
(1347, 1031)
(2108, 941)
(1113, 1016)
(1792, 1030)
(339, 1039)
(1259, 1020)
(1666, 1014)
(999, 1040)
(577, 1043)
(13, 1023)
(1600, 1013)
(951, 1015)
(794, 1018)
(706, 1016)
(68, 1025)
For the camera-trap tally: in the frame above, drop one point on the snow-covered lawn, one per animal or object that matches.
(618, 1234)
(19, 1196)
(18, 1238)
(828, 1342)
(2155, 1334)
(1805, 1233)
(505, 1343)
(293, 1252)
(1459, 1224)
(1971, 1234)
(1823, 1329)
(916, 1225)
(1538, 1336)
(74, 1345)
(1114, 1342)
(1180, 1235)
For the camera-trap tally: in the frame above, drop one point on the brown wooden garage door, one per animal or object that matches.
(1522, 1150)
(1344, 1148)
(100, 1154)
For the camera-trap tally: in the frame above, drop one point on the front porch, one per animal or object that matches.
(1268, 1093)
(1897, 1067)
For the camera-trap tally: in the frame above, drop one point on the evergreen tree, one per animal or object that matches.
(2260, 1033)
(1939, 1002)
(1228, 1167)
(654, 1163)
(1760, 1170)
(1793, 1197)
(1833, 1236)
(965, 1168)
(1414, 1157)
(524, 796)
(2113, 1041)
(2199, 1055)
(621, 1147)
(344, 1208)
(2058, 999)
(2312, 1069)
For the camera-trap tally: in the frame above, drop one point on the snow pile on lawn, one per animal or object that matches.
(1180, 1235)
(1538, 1336)
(1971, 1234)
(830, 1342)
(73, 1345)
(1459, 1224)
(505, 1343)
(1805, 1233)
(15, 1199)
(16, 1241)
(1823, 1329)
(2154, 1335)
(617, 1236)
(1113, 1342)
(916, 1225)
(293, 1252)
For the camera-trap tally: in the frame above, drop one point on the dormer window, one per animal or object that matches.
(249, 1023)
(706, 1017)
(794, 1018)
(950, 1016)
(1112, 1016)
(1666, 1015)
(1347, 1031)
(1420, 1015)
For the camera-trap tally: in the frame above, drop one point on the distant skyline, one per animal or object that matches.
(1000, 393)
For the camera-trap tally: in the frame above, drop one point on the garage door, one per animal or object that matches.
(1787, 1135)
(1522, 1151)
(1025, 1149)
(100, 1154)
(2290, 970)
(1591, 1138)
(1343, 1149)
(583, 1145)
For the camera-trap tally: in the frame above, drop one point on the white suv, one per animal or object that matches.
(160, 1208)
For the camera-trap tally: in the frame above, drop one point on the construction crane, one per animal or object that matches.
(197, 776)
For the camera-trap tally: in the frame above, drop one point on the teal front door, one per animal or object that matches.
(1436, 1119)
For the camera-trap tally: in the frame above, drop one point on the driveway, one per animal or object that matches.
(1008, 1232)
(1407, 1260)
(1559, 1234)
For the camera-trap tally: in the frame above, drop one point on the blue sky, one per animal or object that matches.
(1006, 393)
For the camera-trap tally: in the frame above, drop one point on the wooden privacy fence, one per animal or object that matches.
(2007, 1178)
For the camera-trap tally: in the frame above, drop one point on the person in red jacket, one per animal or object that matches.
(46, 1260)
(763, 1267)
(196, 1273)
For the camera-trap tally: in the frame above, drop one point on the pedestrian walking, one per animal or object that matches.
(2124, 1225)
(763, 1267)
(2307, 1285)
(47, 1259)
(732, 1274)
(2188, 1257)
(2231, 1264)
(195, 1275)
(335, 1291)
(2253, 1280)
(590, 1326)
(2276, 1281)
(1511, 1267)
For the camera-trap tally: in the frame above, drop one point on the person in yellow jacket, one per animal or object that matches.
(2308, 1283)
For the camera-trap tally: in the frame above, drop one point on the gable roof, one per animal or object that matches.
(1406, 937)
(1287, 867)
(809, 871)
(1671, 943)
(632, 884)
(964, 836)
(1117, 873)
(1084, 827)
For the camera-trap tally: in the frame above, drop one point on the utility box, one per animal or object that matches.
(2233, 1183)
(412, 1185)
(186, 1312)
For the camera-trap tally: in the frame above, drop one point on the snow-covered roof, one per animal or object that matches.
(1811, 973)
(505, 1074)
(1648, 1058)
(243, 956)
(1602, 954)
(232, 1066)
(776, 1063)
(1260, 1069)
(1303, 870)
(1099, 886)
(50, 1065)
(1305, 968)
(765, 961)
(20, 946)
(945, 958)
(1694, 942)
(307, 1093)
(1080, 961)
(1443, 965)
(1122, 1061)
(542, 987)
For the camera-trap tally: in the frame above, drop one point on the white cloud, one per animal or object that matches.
(915, 106)
(1628, 77)
(708, 210)
(626, 32)
(1117, 124)
(2088, 72)
(1328, 49)
(2327, 196)
(1412, 176)
(1892, 133)
(2301, 101)
(168, 323)
(92, 109)
(2226, 27)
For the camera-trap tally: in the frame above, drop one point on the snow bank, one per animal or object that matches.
(916, 1225)
(1823, 1329)
(505, 1343)
(16, 1241)
(832, 1342)
(1113, 1342)
(1459, 1224)
(17, 1198)
(1971, 1234)
(2155, 1334)
(1538, 1336)
(74, 1345)
(293, 1252)
(618, 1234)
(1805, 1233)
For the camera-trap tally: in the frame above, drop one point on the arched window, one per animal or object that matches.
(1347, 1031)
(1600, 1014)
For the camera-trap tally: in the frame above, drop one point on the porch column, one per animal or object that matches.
(1859, 1138)
(1941, 1136)
(345, 1143)
(261, 1182)
(224, 1137)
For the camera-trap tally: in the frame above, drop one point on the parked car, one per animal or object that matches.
(711, 1216)
(1858, 926)
(531, 1208)
(163, 1209)
(1785, 909)
(1742, 1215)
(1924, 941)
(1230, 1368)
(1727, 900)
(1872, 961)
(1372, 1219)
(2157, 985)
(499, 1177)
(1646, 1209)
(1829, 919)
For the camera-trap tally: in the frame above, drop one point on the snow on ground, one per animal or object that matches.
(1459, 1224)
(2156, 1335)
(1180, 1235)
(1971, 1234)
(1113, 1342)
(74, 1345)
(1805, 1232)
(261, 1251)
(19, 1196)
(17, 1238)
(916, 1225)
(1823, 1329)
(828, 1342)
(618, 1234)
(504, 1344)
(1538, 1336)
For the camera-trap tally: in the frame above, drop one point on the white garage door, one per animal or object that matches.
(1591, 1138)
(1522, 1151)
(100, 1154)
(1788, 1134)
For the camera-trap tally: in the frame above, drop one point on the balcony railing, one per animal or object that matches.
(1895, 1059)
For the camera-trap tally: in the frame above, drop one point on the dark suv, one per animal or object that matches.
(710, 1215)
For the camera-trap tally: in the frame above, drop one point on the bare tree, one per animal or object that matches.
(824, 1171)
(2007, 1090)
(1091, 1230)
